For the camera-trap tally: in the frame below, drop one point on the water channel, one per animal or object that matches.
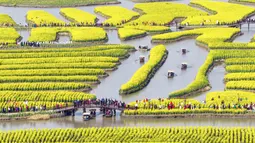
(160, 85)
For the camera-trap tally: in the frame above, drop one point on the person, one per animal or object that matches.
(136, 106)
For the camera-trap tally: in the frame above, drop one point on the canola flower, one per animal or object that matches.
(206, 36)
(143, 75)
(244, 1)
(240, 76)
(241, 85)
(50, 96)
(30, 104)
(77, 34)
(8, 35)
(78, 49)
(55, 60)
(6, 20)
(133, 134)
(95, 65)
(78, 16)
(182, 111)
(116, 15)
(48, 70)
(38, 78)
(224, 13)
(127, 33)
(200, 81)
(43, 18)
(230, 98)
(163, 13)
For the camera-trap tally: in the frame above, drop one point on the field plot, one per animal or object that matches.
(205, 36)
(163, 13)
(127, 134)
(36, 75)
(128, 33)
(6, 20)
(77, 34)
(143, 75)
(8, 36)
(243, 1)
(116, 15)
(78, 16)
(222, 13)
(43, 18)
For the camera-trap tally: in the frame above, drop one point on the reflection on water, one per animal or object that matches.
(118, 121)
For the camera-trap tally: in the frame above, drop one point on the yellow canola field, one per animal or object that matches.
(224, 13)
(77, 34)
(117, 15)
(142, 75)
(6, 20)
(204, 35)
(230, 97)
(8, 35)
(127, 33)
(41, 17)
(245, 1)
(162, 13)
(78, 16)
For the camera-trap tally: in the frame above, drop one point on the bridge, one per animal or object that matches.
(72, 109)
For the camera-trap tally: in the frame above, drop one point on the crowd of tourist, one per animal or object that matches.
(12, 107)
(25, 107)
(100, 102)
(164, 104)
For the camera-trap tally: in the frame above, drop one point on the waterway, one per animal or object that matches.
(160, 85)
